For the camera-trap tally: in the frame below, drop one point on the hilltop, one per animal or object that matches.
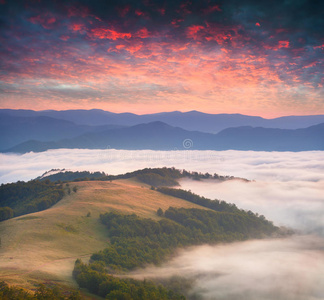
(43, 246)
(120, 223)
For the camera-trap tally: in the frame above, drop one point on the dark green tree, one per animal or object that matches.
(159, 212)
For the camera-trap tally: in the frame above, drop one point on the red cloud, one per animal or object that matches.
(192, 31)
(134, 48)
(77, 27)
(319, 47)
(310, 65)
(104, 33)
(283, 44)
(142, 33)
(120, 47)
(213, 33)
(139, 13)
(257, 24)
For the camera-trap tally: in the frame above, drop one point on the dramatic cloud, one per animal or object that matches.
(223, 56)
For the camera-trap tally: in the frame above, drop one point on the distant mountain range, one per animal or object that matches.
(161, 136)
(192, 120)
(18, 129)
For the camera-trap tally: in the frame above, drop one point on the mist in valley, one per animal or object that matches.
(253, 165)
(274, 269)
(294, 204)
(287, 188)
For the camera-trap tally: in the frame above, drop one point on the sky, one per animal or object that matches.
(251, 57)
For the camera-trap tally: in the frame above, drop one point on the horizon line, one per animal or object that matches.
(160, 112)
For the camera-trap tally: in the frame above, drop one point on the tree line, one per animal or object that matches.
(41, 293)
(153, 176)
(21, 198)
(95, 278)
(136, 242)
(217, 205)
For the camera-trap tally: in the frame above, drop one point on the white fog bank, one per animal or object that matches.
(269, 166)
(281, 269)
(296, 204)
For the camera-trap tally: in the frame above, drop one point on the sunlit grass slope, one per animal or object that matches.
(43, 246)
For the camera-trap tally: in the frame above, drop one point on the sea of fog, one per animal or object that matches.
(286, 187)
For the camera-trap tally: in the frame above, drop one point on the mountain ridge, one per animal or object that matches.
(191, 120)
(161, 136)
(17, 129)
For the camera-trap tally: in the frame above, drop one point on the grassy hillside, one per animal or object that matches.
(43, 246)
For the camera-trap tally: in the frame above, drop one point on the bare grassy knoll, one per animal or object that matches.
(43, 246)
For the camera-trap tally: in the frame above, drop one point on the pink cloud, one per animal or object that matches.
(142, 33)
(105, 33)
(133, 48)
(283, 44)
(139, 13)
(319, 47)
(214, 32)
(310, 65)
(77, 27)
(192, 31)
(120, 47)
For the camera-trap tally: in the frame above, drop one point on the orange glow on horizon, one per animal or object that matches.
(159, 57)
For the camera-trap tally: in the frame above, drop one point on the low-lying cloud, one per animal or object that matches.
(296, 204)
(281, 269)
(286, 187)
(269, 166)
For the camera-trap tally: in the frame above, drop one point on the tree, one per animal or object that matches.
(6, 213)
(159, 212)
